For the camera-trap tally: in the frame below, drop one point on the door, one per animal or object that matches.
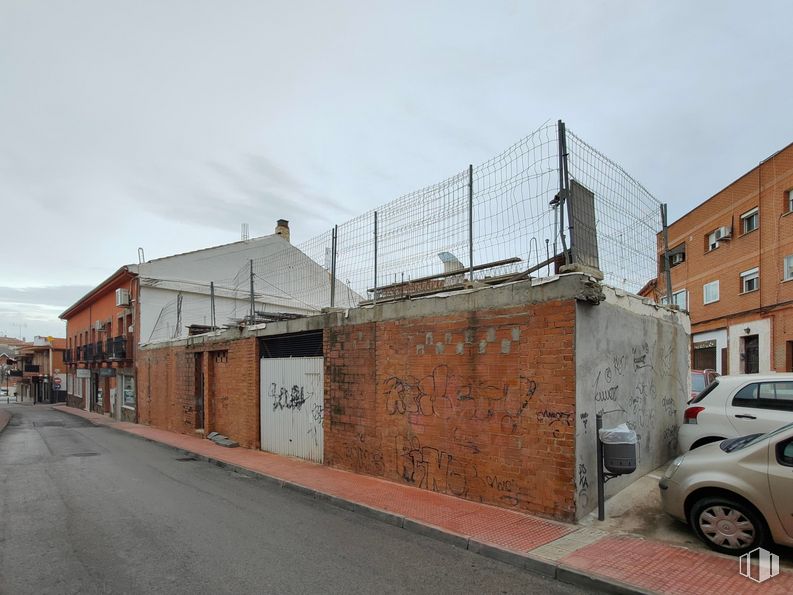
(751, 354)
(760, 407)
(780, 478)
(291, 406)
(199, 391)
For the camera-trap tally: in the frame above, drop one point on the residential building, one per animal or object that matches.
(731, 268)
(168, 298)
(43, 371)
(101, 338)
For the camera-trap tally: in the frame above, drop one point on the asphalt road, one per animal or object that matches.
(86, 509)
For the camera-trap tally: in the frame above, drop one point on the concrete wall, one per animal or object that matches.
(632, 363)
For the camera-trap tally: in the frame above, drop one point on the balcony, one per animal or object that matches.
(117, 348)
(67, 356)
(99, 351)
(33, 368)
(88, 352)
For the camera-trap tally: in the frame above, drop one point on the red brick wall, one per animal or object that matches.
(233, 391)
(479, 405)
(166, 389)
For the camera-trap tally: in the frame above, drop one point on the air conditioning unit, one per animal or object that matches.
(122, 298)
(678, 258)
(723, 233)
(99, 326)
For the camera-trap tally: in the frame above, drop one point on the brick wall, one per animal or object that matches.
(479, 405)
(232, 390)
(166, 389)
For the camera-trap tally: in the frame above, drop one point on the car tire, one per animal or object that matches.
(728, 525)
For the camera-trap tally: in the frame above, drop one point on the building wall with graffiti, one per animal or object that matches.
(632, 367)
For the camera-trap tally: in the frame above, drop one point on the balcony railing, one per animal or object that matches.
(67, 356)
(30, 368)
(117, 348)
(88, 352)
(99, 351)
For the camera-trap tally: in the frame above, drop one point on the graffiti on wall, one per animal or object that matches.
(638, 384)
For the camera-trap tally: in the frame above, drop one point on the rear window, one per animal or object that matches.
(705, 392)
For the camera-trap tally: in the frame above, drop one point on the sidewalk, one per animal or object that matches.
(586, 556)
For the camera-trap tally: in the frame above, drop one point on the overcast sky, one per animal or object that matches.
(167, 124)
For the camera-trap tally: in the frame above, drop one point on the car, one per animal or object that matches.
(735, 495)
(3, 392)
(735, 406)
(700, 380)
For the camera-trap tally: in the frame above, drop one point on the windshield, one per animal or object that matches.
(697, 383)
(750, 440)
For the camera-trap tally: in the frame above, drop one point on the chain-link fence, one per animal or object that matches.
(549, 200)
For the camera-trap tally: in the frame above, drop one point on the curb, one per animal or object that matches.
(527, 562)
(5, 417)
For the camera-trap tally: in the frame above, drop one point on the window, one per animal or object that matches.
(127, 391)
(750, 220)
(766, 395)
(750, 280)
(713, 243)
(784, 453)
(679, 299)
(788, 268)
(710, 292)
(790, 201)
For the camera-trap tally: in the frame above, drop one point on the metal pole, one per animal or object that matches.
(253, 306)
(374, 295)
(564, 187)
(471, 222)
(666, 255)
(333, 267)
(601, 480)
(212, 304)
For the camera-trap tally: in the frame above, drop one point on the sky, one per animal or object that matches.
(165, 125)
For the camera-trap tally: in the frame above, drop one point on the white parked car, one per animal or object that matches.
(736, 406)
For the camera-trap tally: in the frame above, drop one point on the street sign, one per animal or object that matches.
(83, 373)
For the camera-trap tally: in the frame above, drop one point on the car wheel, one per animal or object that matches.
(728, 525)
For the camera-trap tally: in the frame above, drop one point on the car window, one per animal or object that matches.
(784, 391)
(705, 392)
(784, 453)
(766, 395)
(747, 396)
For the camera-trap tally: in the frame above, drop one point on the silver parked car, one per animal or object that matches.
(738, 494)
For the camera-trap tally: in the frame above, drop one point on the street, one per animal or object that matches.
(86, 509)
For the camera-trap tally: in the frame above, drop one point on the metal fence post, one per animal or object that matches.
(471, 222)
(374, 295)
(564, 192)
(666, 255)
(333, 266)
(253, 306)
(212, 304)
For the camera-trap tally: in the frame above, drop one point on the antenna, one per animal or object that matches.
(244, 235)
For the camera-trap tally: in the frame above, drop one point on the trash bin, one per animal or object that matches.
(619, 449)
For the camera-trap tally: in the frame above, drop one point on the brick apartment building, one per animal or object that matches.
(732, 269)
(42, 367)
(100, 336)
